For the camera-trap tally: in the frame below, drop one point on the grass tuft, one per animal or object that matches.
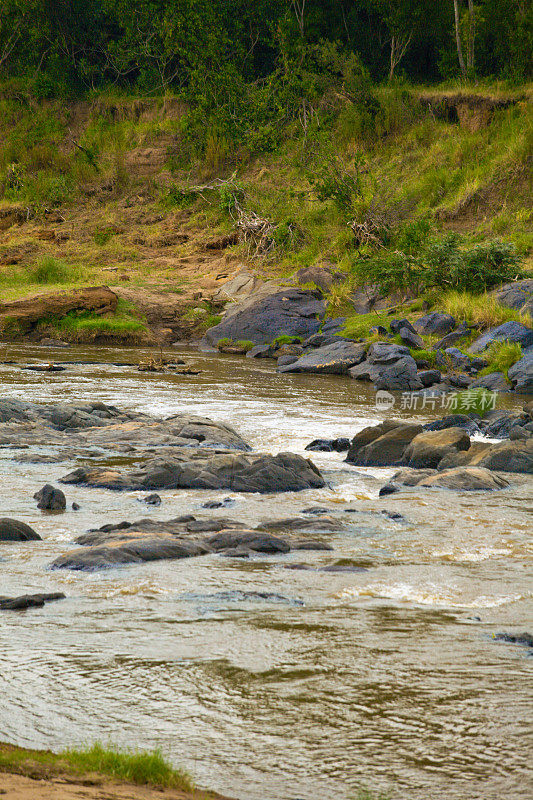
(483, 310)
(141, 768)
(501, 356)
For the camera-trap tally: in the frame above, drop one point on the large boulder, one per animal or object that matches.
(382, 445)
(323, 277)
(388, 366)
(521, 374)
(518, 295)
(292, 312)
(285, 472)
(400, 376)
(494, 382)
(335, 359)
(428, 449)
(460, 479)
(508, 332)
(506, 456)
(434, 324)
(12, 530)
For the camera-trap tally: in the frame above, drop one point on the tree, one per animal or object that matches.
(458, 37)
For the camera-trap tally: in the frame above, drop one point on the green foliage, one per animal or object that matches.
(483, 310)
(142, 768)
(224, 342)
(103, 235)
(501, 356)
(441, 264)
(358, 325)
(279, 341)
(49, 270)
(425, 355)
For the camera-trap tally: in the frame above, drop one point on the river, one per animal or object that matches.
(388, 679)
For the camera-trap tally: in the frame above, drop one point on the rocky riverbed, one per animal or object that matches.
(284, 622)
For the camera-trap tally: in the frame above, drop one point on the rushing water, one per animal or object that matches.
(388, 678)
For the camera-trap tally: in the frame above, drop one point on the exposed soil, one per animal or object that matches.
(89, 787)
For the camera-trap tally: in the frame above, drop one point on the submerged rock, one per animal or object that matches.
(339, 445)
(151, 540)
(12, 530)
(515, 638)
(28, 601)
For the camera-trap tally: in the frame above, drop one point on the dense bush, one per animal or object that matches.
(442, 264)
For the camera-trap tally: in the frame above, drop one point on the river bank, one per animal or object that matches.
(29, 774)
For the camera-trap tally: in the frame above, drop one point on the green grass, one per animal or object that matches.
(501, 356)
(279, 341)
(483, 310)
(358, 326)
(47, 271)
(142, 768)
(425, 355)
(88, 321)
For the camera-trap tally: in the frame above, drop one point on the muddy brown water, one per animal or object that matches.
(388, 679)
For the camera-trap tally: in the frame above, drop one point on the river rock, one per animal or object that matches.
(12, 530)
(83, 424)
(434, 324)
(411, 339)
(429, 377)
(515, 638)
(400, 376)
(335, 359)
(518, 295)
(461, 479)
(292, 312)
(396, 326)
(28, 601)
(428, 449)
(494, 382)
(339, 445)
(521, 374)
(50, 499)
(508, 332)
(137, 551)
(506, 456)
(454, 421)
(285, 472)
(382, 445)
